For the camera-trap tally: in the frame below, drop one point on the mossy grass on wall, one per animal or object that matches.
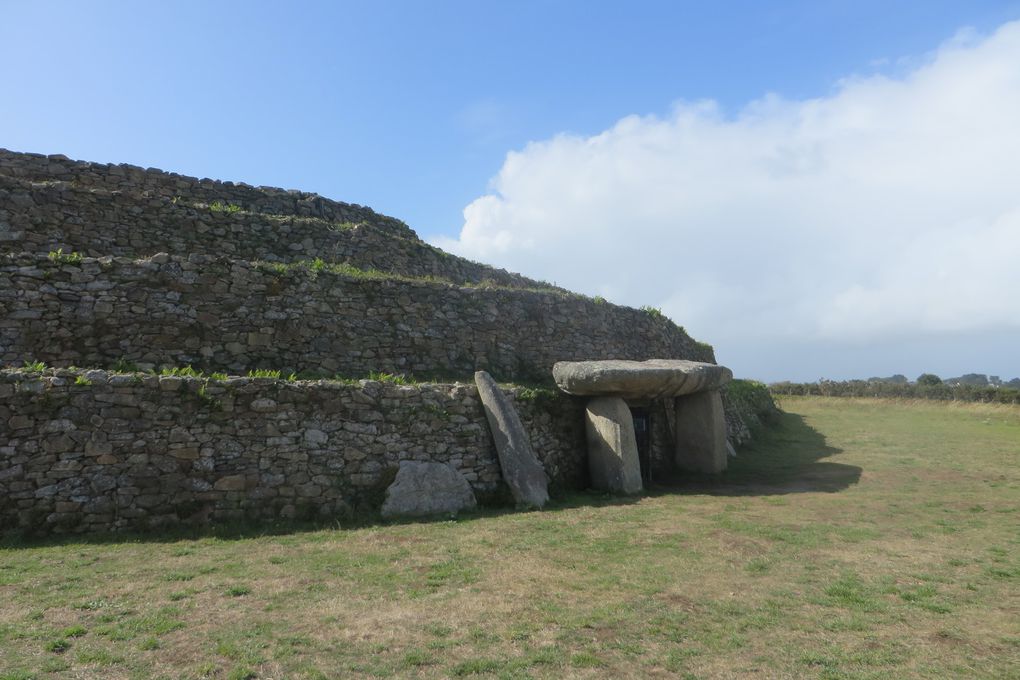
(525, 390)
(61, 257)
(316, 266)
(229, 208)
(653, 312)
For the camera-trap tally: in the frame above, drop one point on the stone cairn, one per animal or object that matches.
(149, 322)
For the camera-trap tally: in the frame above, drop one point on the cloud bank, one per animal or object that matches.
(889, 208)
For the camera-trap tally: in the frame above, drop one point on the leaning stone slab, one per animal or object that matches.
(639, 379)
(521, 468)
(612, 446)
(425, 488)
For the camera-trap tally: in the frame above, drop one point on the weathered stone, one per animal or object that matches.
(14, 472)
(59, 425)
(701, 433)
(612, 446)
(230, 483)
(521, 468)
(186, 453)
(426, 488)
(639, 379)
(169, 383)
(315, 438)
(58, 444)
(263, 405)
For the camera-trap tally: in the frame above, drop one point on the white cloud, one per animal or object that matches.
(891, 206)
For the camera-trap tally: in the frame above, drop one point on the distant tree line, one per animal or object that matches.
(970, 387)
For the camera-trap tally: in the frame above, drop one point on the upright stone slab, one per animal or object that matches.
(612, 446)
(701, 432)
(424, 488)
(521, 468)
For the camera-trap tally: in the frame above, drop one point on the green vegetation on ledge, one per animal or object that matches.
(318, 266)
(525, 391)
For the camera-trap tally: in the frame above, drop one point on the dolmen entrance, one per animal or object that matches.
(691, 431)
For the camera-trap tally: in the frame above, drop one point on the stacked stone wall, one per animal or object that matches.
(154, 184)
(749, 406)
(231, 316)
(92, 450)
(100, 210)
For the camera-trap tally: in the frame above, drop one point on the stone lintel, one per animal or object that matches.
(652, 379)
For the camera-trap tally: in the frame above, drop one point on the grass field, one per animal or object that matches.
(858, 539)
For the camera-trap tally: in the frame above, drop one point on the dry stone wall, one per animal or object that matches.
(92, 450)
(152, 183)
(95, 210)
(231, 316)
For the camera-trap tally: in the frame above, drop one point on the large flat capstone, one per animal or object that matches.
(425, 488)
(521, 468)
(639, 379)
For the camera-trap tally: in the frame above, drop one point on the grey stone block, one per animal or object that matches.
(612, 446)
(701, 432)
(424, 488)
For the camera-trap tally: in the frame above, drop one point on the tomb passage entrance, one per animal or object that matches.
(642, 417)
(620, 431)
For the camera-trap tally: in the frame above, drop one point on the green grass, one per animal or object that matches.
(653, 312)
(395, 378)
(524, 392)
(180, 372)
(856, 539)
(220, 206)
(61, 257)
(317, 266)
(264, 373)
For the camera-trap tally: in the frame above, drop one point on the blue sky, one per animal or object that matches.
(413, 107)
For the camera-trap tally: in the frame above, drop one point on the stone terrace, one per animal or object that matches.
(114, 266)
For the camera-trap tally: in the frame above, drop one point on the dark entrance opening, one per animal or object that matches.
(642, 416)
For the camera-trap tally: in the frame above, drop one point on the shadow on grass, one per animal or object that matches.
(262, 529)
(785, 458)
